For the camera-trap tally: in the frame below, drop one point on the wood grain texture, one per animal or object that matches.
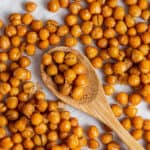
(93, 102)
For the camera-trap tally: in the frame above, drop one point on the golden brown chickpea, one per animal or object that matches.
(12, 102)
(65, 89)
(36, 118)
(123, 40)
(14, 82)
(97, 33)
(4, 88)
(145, 15)
(44, 34)
(3, 67)
(143, 4)
(17, 147)
(130, 111)
(113, 145)
(74, 7)
(132, 31)
(28, 109)
(3, 121)
(109, 89)
(97, 62)
(109, 33)
(107, 69)
(43, 44)
(144, 49)
(85, 14)
(4, 76)
(52, 106)
(82, 141)
(72, 141)
(86, 39)
(94, 8)
(65, 115)
(92, 132)
(52, 70)
(146, 125)
(46, 59)
(69, 75)
(70, 41)
(10, 30)
(112, 3)
(97, 19)
(64, 3)
(81, 80)
(15, 41)
(135, 99)
(134, 80)
(121, 27)
(28, 143)
(137, 133)
(147, 136)
(52, 136)
(130, 2)
(106, 138)
(119, 67)
(93, 144)
(1, 23)
(102, 43)
(36, 25)
(15, 19)
(70, 59)
(74, 122)
(27, 19)
(59, 79)
(63, 67)
(129, 20)
(51, 25)
(32, 37)
(134, 10)
(54, 117)
(78, 131)
(53, 5)
(119, 13)
(111, 79)
(58, 57)
(113, 52)
(30, 49)
(122, 98)
(87, 27)
(144, 66)
(3, 57)
(109, 22)
(14, 54)
(117, 110)
(141, 27)
(3, 132)
(65, 126)
(62, 30)
(6, 143)
(137, 122)
(30, 6)
(91, 51)
(24, 61)
(146, 37)
(126, 123)
(20, 73)
(54, 39)
(137, 56)
(106, 11)
(79, 68)
(77, 92)
(4, 42)
(75, 31)
(71, 19)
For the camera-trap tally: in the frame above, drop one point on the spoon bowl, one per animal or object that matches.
(93, 101)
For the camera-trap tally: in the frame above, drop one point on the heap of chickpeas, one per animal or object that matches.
(113, 41)
(67, 72)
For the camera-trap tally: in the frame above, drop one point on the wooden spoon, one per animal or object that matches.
(93, 102)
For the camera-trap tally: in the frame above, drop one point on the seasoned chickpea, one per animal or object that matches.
(44, 34)
(146, 125)
(137, 122)
(43, 44)
(145, 15)
(14, 54)
(72, 141)
(4, 88)
(102, 43)
(119, 67)
(117, 110)
(107, 69)
(113, 52)
(81, 80)
(97, 19)
(92, 132)
(95, 8)
(70, 41)
(6, 143)
(59, 79)
(134, 10)
(46, 59)
(3, 121)
(147, 136)
(70, 59)
(91, 52)
(75, 31)
(86, 39)
(4, 42)
(109, 33)
(106, 138)
(1, 23)
(12, 102)
(111, 79)
(77, 92)
(130, 111)
(144, 66)
(30, 49)
(24, 61)
(3, 57)
(113, 145)
(20, 73)
(52, 136)
(71, 19)
(10, 30)
(129, 20)
(27, 19)
(74, 7)
(3, 132)
(122, 98)
(65, 126)
(53, 5)
(69, 75)
(87, 27)
(130, 2)
(134, 80)
(85, 14)
(121, 27)
(62, 30)
(109, 22)
(93, 144)
(65, 89)
(54, 39)
(15, 19)
(31, 37)
(135, 99)
(126, 123)
(137, 134)
(119, 13)
(97, 62)
(146, 37)
(79, 68)
(106, 11)
(58, 57)
(112, 3)
(54, 117)
(30, 6)
(52, 70)
(97, 33)
(36, 25)
(109, 89)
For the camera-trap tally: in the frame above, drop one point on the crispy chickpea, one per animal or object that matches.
(141, 27)
(106, 138)
(6, 143)
(70, 41)
(30, 49)
(97, 19)
(144, 49)
(31, 37)
(10, 30)
(69, 75)
(44, 34)
(91, 52)
(134, 10)
(54, 117)
(121, 27)
(28, 143)
(4, 88)
(65, 126)
(106, 11)
(53, 5)
(3, 57)
(85, 14)
(102, 43)
(14, 82)
(122, 98)
(63, 67)
(24, 61)
(64, 3)
(15, 19)
(27, 19)
(54, 39)
(14, 54)
(109, 33)
(97, 62)
(119, 13)
(71, 19)
(92, 132)
(117, 110)
(74, 7)
(135, 99)
(20, 73)
(36, 25)
(65, 115)
(126, 123)
(113, 145)
(86, 39)
(130, 2)
(52, 136)
(87, 27)
(82, 141)
(65, 89)
(130, 111)
(75, 31)
(95, 8)
(137, 134)
(107, 69)
(4, 76)
(113, 52)
(77, 92)
(72, 141)
(43, 44)
(4, 42)
(62, 30)
(70, 59)
(46, 59)
(119, 67)
(12, 102)
(146, 125)
(58, 57)
(145, 15)
(81, 80)
(109, 89)
(137, 122)
(52, 106)
(3, 67)
(109, 22)
(17, 138)
(134, 80)
(97, 33)
(36, 118)
(146, 37)
(59, 79)
(1, 23)
(3, 121)
(78, 131)
(144, 66)
(30, 6)
(28, 109)
(129, 20)
(2, 132)
(79, 68)
(52, 70)
(111, 79)
(147, 136)
(143, 4)
(112, 3)
(15, 41)
(93, 144)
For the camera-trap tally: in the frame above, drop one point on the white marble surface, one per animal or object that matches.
(9, 6)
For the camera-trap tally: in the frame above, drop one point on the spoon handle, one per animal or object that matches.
(101, 110)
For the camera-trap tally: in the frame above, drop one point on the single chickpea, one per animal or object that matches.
(132, 31)
(119, 67)
(70, 41)
(52, 106)
(3, 67)
(53, 5)
(30, 6)
(146, 125)
(109, 89)
(109, 22)
(141, 27)
(30, 49)
(75, 31)
(54, 39)
(58, 57)
(109, 33)
(111, 79)
(117, 110)
(28, 109)
(12, 102)
(52, 70)
(97, 19)
(82, 141)
(107, 69)
(32, 37)
(147, 136)
(74, 122)
(14, 54)
(52, 136)
(119, 13)
(71, 19)
(113, 52)
(85, 14)
(92, 132)
(106, 138)
(146, 37)
(46, 59)
(95, 8)
(112, 3)
(126, 123)
(36, 118)
(20, 73)
(36, 25)
(93, 144)
(91, 51)
(65, 89)
(3, 121)
(81, 80)
(134, 80)
(15, 41)
(137, 122)
(3, 57)
(27, 19)
(3, 132)
(59, 79)
(97, 62)
(121, 27)
(123, 40)
(97, 33)
(102, 43)
(78, 131)
(6, 143)
(87, 27)
(70, 59)
(65, 126)
(62, 30)
(77, 93)
(106, 11)
(79, 68)
(122, 98)
(135, 99)
(86, 39)
(69, 75)
(28, 143)
(62, 67)
(4, 42)
(3, 107)
(129, 20)
(74, 7)
(143, 4)
(24, 61)
(1, 23)
(64, 3)
(65, 115)
(130, 111)
(113, 145)
(5, 88)
(10, 30)
(4, 77)
(145, 15)
(137, 134)
(134, 10)
(72, 141)
(144, 66)
(54, 117)
(44, 34)
(144, 49)
(130, 2)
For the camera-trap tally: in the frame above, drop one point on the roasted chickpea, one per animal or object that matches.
(70, 59)
(65, 89)
(97, 33)
(31, 37)
(134, 10)
(135, 99)
(54, 39)
(91, 52)
(52, 136)
(97, 62)
(119, 67)
(30, 6)
(95, 8)
(30, 49)
(145, 15)
(27, 19)
(109, 89)
(113, 52)
(126, 123)
(97, 19)
(109, 33)
(122, 98)
(121, 27)
(70, 41)
(86, 39)
(102, 43)
(111, 79)
(137, 134)
(85, 14)
(46, 59)
(130, 111)
(92, 132)
(3, 121)
(81, 80)
(71, 19)
(93, 144)
(74, 7)
(106, 11)
(113, 145)
(4, 42)
(119, 13)
(145, 37)
(75, 31)
(117, 110)
(44, 34)
(53, 5)
(52, 70)
(106, 138)
(137, 122)
(62, 30)
(79, 68)
(112, 3)
(72, 141)
(36, 25)
(77, 92)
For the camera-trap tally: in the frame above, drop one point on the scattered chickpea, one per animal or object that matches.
(30, 6)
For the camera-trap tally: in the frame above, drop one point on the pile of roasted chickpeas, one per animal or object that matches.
(67, 72)
(113, 40)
